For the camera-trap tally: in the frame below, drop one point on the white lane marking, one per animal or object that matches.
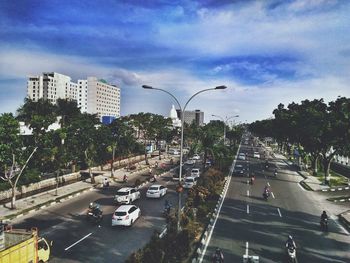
(247, 192)
(246, 248)
(218, 213)
(273, 196)
(268, 184)
(78, 241)
(247, 181)
(279, 212)
(302, 188)
(247, 209)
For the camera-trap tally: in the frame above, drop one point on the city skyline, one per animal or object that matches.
(265, 52)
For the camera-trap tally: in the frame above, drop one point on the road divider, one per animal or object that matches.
(247, 209)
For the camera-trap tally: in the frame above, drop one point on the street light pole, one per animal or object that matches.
(225, 122)
(182, 111)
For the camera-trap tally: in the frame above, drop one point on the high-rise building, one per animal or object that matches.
(92, 95)
(98, 97)
(51, 86)
(195, 116)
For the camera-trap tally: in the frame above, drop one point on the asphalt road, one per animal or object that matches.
(77, 240)
(248, 223)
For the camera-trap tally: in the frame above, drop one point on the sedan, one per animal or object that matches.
(241, 156)
(190, 161)
(125, 215)
(156, 191)
(196, 157)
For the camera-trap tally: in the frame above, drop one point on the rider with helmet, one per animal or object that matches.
(218, 256)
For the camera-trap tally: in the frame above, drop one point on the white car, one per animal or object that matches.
(196, 157)
(190, 182)
(156, 191)
(127, 195)
(174, 152)
(195, 172)
(241, 156)
(256, 155)
(190, 161)
(125, 215)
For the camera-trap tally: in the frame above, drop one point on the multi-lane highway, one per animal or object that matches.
(250, 225)
(77, 240)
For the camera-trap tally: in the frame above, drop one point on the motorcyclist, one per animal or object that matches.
(275, 173)
(125, 178)
(95, 209)
(324, 216)
(167, 206)
(105, 182)
(252, 179)
(290, 243)
(218, 256)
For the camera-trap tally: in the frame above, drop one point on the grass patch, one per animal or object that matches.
(336, 179)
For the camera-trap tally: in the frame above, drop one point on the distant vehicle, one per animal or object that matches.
(156, 191)
(241, 156)
(196, 157)
(190, 182)
(127, 195)
(195, 172)
(22, 245)
(190, 161)
(256, 155)
(239, 170)
(174, 152)
(125, 215)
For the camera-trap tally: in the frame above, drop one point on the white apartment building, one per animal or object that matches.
(51, 86)
(102, 98)
(92, 95)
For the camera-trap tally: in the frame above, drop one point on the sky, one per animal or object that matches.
(265, 52)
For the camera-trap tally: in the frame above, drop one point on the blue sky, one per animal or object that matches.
(265, 52)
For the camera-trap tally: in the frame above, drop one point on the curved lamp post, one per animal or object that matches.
(182, 110)
(225, 122)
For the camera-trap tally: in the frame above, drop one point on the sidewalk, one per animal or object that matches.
(43, 200)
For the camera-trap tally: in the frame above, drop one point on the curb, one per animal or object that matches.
(344, 199)
(46, 204)
(344, 222)
(336, 189)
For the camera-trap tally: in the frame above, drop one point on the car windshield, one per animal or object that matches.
(120, 213)
(238, 167)
(195, 171)
(153, 188)
(189, 180)
(122, 193)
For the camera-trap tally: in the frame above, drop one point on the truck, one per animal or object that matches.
(23, 246)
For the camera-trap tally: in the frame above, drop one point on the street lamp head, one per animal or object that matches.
(147, 87)
(221, 87)
(236, 116)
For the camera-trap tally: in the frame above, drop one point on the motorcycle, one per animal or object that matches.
(93, 216)
(324, 224)
(153, 179)
(252, 180)
(266, 195)
(292, 254)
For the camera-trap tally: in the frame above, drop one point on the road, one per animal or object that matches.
(76, 240)
(249, 224)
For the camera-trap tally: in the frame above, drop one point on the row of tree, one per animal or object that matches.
(317, 129)
(83, 141)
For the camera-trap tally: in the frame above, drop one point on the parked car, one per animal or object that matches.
(241, 156)
(127, 195)
(256, 155)
(156, 191)
(125, 215)
(196, 157)
(195, 172)
(239, 170)
(190, 182)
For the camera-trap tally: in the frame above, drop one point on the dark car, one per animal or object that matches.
(239, 170)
